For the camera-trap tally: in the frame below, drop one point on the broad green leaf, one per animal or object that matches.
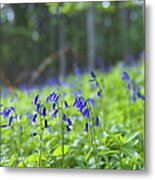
(58, 151)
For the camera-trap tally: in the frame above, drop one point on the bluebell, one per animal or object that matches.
(4, 126)
(10, 121)
(69, 122)
(35, 100)
(86, 126)
(64, 117)
(125, 76)
(66, 104)
(68, 128)
(86, 113)
(44, 111)
(93, 74)
(55, 112)
(45, 122)
(97, 121)
(34, 118)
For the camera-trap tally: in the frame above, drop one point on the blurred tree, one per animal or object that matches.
(99, 34)
(91, 41)
(62, 63)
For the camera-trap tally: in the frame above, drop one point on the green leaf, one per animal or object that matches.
(130, 138)
(58, 151)
(109, 152)
(34, 157)
(12, 160)
(88, 154)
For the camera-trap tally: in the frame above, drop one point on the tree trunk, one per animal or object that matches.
(62, 60)
(90, 23)
(125, 41)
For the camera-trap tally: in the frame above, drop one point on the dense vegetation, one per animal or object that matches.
(90, 120)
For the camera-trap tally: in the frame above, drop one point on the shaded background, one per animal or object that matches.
(42, 41)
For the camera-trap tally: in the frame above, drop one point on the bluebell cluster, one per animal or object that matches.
(134, 93)
(9, 113)
(41, 112)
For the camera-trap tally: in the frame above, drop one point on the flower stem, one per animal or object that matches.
(92, 134)
(62, 136)
(40, 142)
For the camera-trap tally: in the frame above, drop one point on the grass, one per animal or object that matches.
(117, 142)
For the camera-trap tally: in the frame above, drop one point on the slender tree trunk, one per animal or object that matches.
(62, 60)
(90, 23)
(125, 41)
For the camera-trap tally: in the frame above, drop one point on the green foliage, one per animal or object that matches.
(119, 137)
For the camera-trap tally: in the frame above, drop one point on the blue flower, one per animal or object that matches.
(10, 121)
(6, 111)
(86, 126)
(143, 97)
(76, 101)
(37, 107)
(133, 98)
(68, 128)
(45, 122)
(99, 93)
(56, 98)
(33, 134)
(64, 117)
(55, 112)
(97, 121)
(66, 104)
(21, 127)
(34, 118)
(93, 74)
(53, 106)
(129, 85)
(96, 84)
(35, 99)
(86, 113)
(69, 122)
(82, 106)
(139, 95)
(92, 101)
(125, 76)
(4, 126)
(20, 117)
(44, 111)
